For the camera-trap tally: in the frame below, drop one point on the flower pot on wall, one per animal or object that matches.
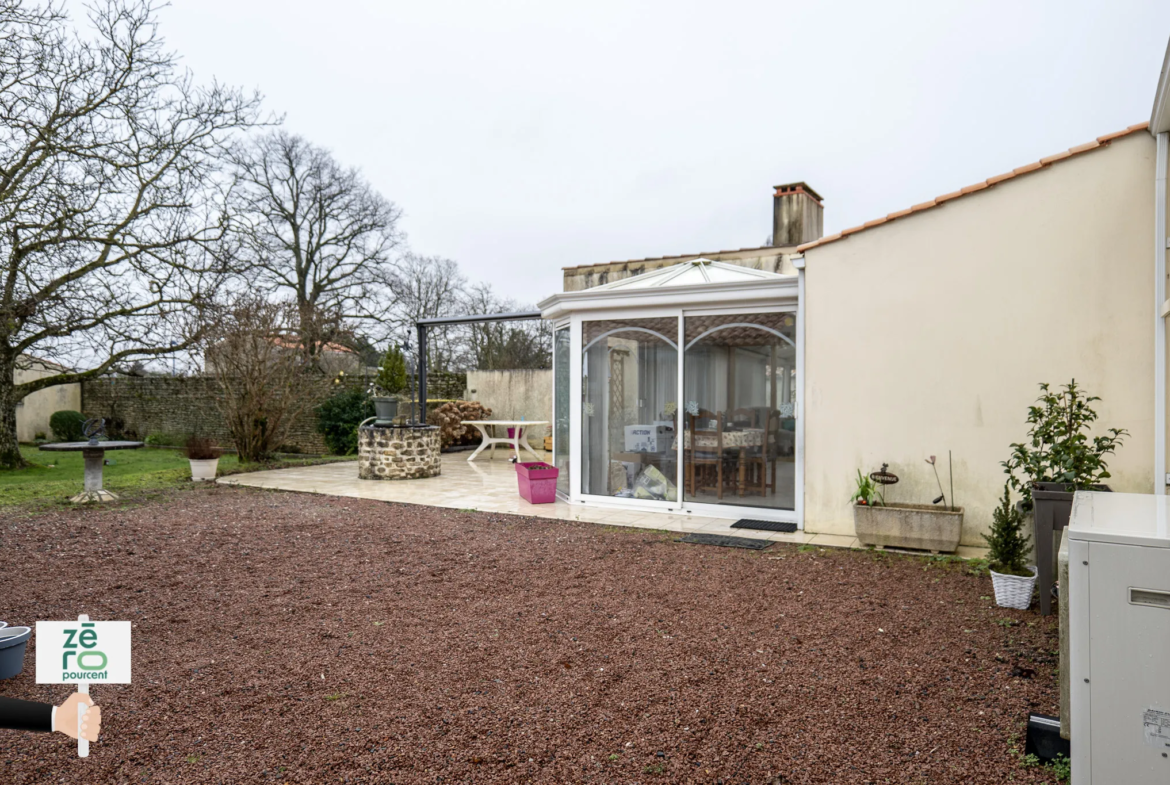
(203, 470)
(1013, 591)
(386, 409)
(917, 526)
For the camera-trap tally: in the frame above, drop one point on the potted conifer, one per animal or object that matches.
(388, 384)
(1011, 577)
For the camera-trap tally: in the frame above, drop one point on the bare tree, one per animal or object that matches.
(316, 234)
(494, 346)
(110, 214)
(254, 353)
(428, 287)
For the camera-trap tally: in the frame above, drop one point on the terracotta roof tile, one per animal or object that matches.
(1054, 158)
(1101, 141)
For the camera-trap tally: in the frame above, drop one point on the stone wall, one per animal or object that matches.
(445, 385)
(185, 405)
(398, 453)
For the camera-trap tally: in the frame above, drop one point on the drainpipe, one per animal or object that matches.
(1160, 315)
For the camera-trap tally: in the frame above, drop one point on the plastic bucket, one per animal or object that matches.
(13, 641)
(538, 482)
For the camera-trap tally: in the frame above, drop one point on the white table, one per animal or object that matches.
(517, 440)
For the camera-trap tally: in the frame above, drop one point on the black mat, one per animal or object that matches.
(725, 541)
(764, 526)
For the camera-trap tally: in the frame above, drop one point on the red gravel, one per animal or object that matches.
(293, 638)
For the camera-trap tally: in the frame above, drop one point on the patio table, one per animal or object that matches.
(517, 439)
(94, 453)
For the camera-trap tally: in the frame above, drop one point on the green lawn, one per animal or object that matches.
(55, 476)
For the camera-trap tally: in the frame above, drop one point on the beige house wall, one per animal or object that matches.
(932, 333)
(33, 413)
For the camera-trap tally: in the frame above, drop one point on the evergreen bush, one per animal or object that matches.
(339, 416)
(66, 425)
(1009, 548)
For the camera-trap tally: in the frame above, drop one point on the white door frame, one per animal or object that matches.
(680, 506)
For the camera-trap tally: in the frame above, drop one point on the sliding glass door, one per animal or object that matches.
(739, 418)
(629, 384)
(561, 414)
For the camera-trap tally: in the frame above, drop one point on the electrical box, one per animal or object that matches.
(1119, 638)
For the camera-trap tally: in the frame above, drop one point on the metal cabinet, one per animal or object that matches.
(1119, 639)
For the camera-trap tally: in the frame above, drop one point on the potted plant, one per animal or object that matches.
(203, 455)
(918, 526)
(1059, 457)
(1008, 548)
(388, 384)
(1057, 460)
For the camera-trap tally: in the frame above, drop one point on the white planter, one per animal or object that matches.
(204, 470)
(1013, 591)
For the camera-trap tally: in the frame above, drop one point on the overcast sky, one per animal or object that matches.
(521, 137)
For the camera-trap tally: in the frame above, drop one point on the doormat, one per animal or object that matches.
(765, 526)
(725, 541)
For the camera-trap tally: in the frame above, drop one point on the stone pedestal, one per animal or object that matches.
(398, 452)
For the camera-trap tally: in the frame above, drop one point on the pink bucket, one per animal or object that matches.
(538, 482)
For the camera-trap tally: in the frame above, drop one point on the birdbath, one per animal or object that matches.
(94, 452)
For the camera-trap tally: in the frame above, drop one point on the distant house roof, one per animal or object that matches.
(1099, 142)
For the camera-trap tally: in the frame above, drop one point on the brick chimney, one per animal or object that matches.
(797, 215)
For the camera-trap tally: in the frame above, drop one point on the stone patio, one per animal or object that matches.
(490, 486)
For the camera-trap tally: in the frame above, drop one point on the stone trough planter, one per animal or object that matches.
(917, 526)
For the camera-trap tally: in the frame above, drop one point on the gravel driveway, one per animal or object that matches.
(295, 638)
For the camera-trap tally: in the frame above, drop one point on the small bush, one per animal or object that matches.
(339, 416)
(1008, 548)
(200, 448)
(66, 425)
(391, 378)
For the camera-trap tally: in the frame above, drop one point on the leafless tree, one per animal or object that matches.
(427, 287)
(316, 234)
(491, 346)
(254, 353)
(111, 214)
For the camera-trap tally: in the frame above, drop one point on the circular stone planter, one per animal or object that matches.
(398, 452)
(13, 641)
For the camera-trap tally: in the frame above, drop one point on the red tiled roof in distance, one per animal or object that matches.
(1099, 142)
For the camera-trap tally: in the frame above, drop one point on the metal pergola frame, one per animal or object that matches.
(422, 324)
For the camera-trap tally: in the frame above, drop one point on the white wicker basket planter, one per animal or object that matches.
(1013, 591)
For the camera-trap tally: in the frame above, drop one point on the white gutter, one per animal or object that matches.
(1159, 314)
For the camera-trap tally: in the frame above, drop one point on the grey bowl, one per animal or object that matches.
(13, 641)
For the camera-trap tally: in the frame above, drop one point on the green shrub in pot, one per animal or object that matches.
(1059, 448)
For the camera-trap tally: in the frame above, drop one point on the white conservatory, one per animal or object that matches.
(731, 443)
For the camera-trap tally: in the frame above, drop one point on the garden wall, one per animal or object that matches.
(183, 405)
(513, 395)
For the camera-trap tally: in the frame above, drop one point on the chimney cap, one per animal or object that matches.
(798, 188)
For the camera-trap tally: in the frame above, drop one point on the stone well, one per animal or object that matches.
(398, 452)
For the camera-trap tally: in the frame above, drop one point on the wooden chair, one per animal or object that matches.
(708, 457)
